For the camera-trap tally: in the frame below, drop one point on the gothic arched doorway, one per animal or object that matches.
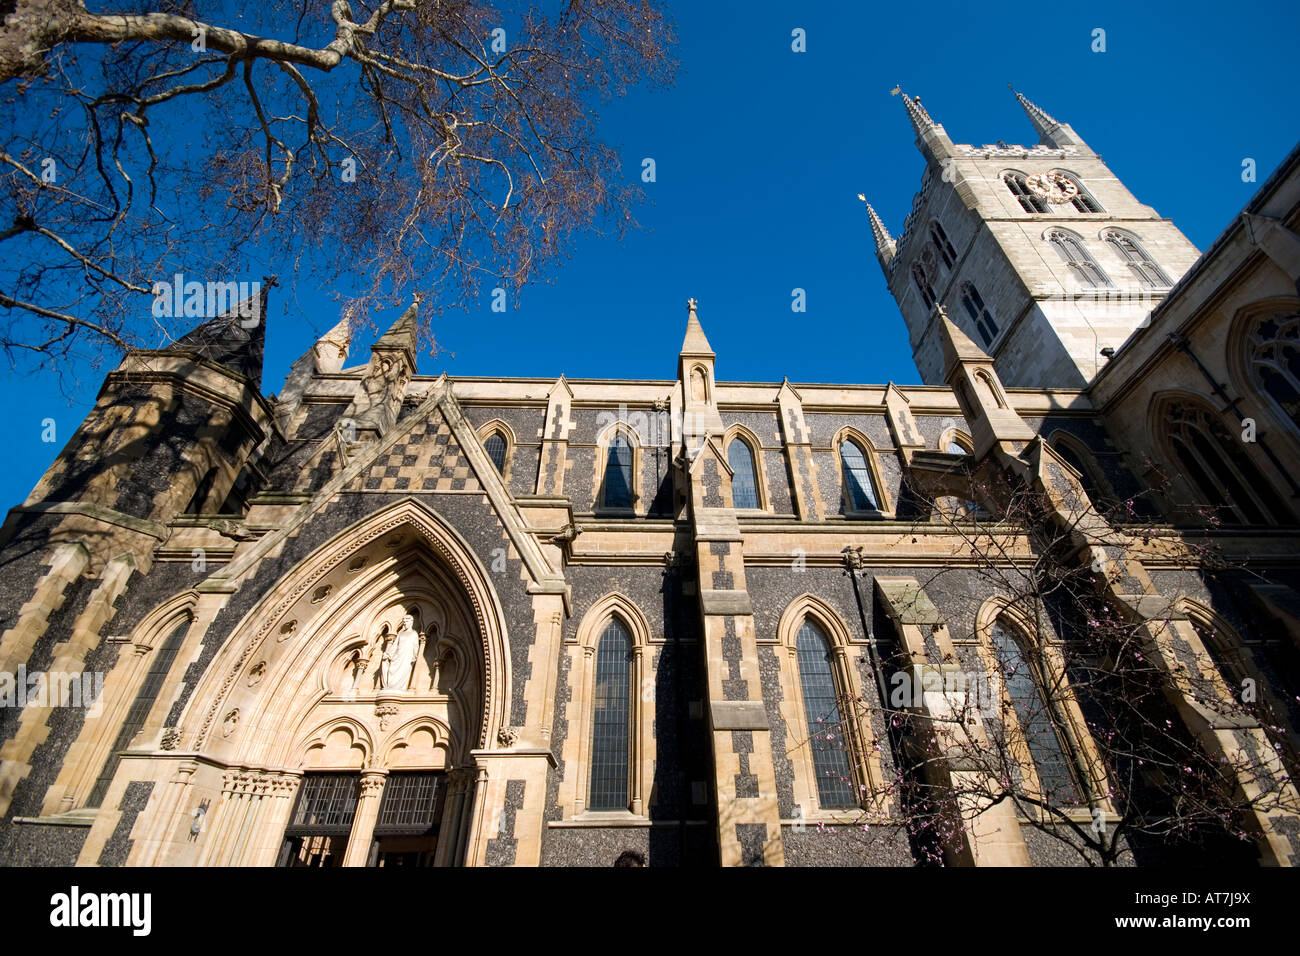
(345, 709)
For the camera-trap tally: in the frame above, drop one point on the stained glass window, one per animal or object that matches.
(611, 716)
(496, 449)
(618, 474)
(744, 482)
(857, 477)
(821, 708)
(1035, 719)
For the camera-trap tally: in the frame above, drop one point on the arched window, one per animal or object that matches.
(1273, 356)
(947, 254)
(1217, 466)
(1028, 200)
(496, 449)
(1083, 201)
(143, 703)
(202, 493)
(1038, 726)
(960, 507)
(611, 727)
(1071, 250)
(618, 473)
(1139, 260)
(1086, 475)
(979, 313)
(861, 490)
(699, 385)
(923, 286)
(827, 737)
(744, 480)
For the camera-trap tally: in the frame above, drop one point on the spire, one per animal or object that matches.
(332, 348)
(402, 336)
(402, 333)
(957, 345)
(1043, 123)
(235, 339)
(917, 113)
(885, 247)
(695, 343)
(930, 136)
(1050, 131)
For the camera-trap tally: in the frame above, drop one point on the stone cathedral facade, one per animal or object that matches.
(384, 618)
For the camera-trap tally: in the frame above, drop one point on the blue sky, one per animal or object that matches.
(760, 152)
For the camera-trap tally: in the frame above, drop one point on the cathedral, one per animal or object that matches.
(382, 618)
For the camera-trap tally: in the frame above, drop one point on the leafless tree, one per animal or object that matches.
(407, 145)
(1071, 705)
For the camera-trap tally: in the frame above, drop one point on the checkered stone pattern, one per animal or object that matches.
(427, 458)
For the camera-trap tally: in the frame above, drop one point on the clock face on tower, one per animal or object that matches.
(1053, 187)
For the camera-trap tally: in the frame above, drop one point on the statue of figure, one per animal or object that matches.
(399, 654)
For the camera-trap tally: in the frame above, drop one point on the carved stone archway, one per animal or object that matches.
(294, 689)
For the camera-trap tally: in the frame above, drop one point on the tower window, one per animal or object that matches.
(1082, 265)
(947, 253)
(1029, 202)
(1273, 353)
(1139, 260)
(979, 313)
(611, 720)
(923, 286)
(496, 449)
(744, 480)
(618, 473)
(1083, 201)
(1226, 478)
(860, 488)
(828, 740)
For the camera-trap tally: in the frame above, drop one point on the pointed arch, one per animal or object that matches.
(618, 469)
(1083, 200)
(978, 313)
(700, 385)
(1204, 458)
(131, 704)
(862, 486)
(1080, 458)
(1069, 246)
(821, 786)
(1264, 360)
(761, 500)
(1140, 262)
(306, 616)
(956, 438)
(502, 456)
(1046, 731)
(942, 245)
(621, 611)
(1017, 184)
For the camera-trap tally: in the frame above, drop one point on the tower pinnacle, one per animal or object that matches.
(1050, 131)
(930, 136)
(885, 246)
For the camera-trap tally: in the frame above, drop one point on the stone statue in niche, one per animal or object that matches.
(400, 652)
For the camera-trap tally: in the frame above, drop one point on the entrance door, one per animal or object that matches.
(410, 816)
(317, 834)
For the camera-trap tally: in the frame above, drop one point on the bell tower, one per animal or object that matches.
(1038, 253)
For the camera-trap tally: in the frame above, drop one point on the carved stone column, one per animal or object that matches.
(367, 815)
